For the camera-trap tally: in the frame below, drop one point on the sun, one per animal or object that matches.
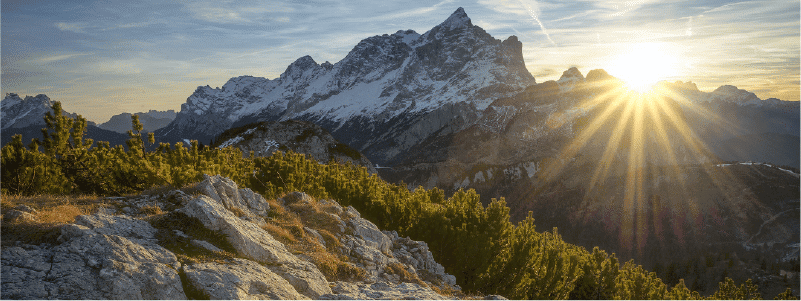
(642, 65)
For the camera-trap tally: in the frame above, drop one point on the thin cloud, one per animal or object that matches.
(73, 27)
(534, 13)
(55, 58)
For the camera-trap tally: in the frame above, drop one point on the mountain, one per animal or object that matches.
(388, 94)
(17, 113)
(26, 117)
(151, 121)
(302, 137)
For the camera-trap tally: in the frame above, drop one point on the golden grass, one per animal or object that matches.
(237, 211)
(335, 269)
(404, 275)
(53, 211)
(151, 210)
(279, 233)
(61, 214)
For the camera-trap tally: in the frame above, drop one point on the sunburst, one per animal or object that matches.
(642, 65)
(633, 123)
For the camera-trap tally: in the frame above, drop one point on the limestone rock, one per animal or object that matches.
(243, 279)
(26, 208)
(119, 225)
(416, 254)
(226, 192)
(206, 245)
(91, 265)
(15, 215)
(255, 243)
(369, 232)
(381, 291)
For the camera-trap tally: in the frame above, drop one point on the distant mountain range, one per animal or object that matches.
(26, 117)
(151, 121)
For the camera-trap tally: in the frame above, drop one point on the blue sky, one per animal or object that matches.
(102, 58)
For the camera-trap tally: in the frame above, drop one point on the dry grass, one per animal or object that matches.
(237, 211)
(279, 233)
(334, 268)
(53, 211)
(151, 210)
(192, 189)
(155, 190)
(287, 226)
(404, 275)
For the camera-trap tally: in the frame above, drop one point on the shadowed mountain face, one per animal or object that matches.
(639, 175)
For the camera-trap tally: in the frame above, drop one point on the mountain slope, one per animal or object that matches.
(385, 96)
(301, 137)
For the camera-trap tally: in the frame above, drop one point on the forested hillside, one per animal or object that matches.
(478, 244)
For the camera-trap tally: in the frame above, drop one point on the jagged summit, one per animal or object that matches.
(18, 112)
(387, 94)
(458, 19)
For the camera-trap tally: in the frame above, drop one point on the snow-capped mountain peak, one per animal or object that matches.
(18, 112)
(458, 19)
(384, 85)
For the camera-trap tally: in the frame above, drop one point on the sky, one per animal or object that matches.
(101, 58)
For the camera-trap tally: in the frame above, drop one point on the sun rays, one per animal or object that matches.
(639, 137)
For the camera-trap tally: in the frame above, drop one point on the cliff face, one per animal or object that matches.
(220, 242)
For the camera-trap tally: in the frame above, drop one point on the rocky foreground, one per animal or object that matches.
(124, 252)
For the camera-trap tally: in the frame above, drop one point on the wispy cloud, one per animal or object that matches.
(54, 58)
(73, 27)
(235, 12)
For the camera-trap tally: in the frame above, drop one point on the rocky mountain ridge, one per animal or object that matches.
(302, 137)
(123, 252)
(386, 95)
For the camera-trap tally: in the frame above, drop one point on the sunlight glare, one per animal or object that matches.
(642, 65)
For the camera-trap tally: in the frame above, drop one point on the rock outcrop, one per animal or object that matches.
(264, 138)
(124, 252)
(102, 257)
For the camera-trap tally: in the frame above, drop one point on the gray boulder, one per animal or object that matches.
(15, 215)
(226, 192)
(93, 265)
(255, 243)
(416, 254)
(368, 231)
(239, 280)
(381, 291)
